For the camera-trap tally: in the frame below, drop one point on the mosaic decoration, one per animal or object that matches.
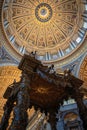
(53, 28)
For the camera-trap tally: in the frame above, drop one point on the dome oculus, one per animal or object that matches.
(43, 12)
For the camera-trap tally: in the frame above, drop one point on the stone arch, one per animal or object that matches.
(71, 115)
(72, 120)
(83, 71)
(70, 111)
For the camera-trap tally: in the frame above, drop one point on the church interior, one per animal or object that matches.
(43, 64)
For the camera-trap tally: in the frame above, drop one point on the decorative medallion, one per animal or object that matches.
(43, 12)
(52, 28)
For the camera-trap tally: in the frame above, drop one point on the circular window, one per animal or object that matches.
(43, 12)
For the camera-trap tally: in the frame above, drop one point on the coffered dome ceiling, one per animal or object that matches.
(53, 28)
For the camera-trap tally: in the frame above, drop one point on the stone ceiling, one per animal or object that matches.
(53, 28)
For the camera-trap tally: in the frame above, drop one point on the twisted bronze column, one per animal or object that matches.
(7, 111)
(81, 106)
(20, 119)
(11, 98)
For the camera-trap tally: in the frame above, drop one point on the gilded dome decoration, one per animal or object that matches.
(53, 28)
(43, 12)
